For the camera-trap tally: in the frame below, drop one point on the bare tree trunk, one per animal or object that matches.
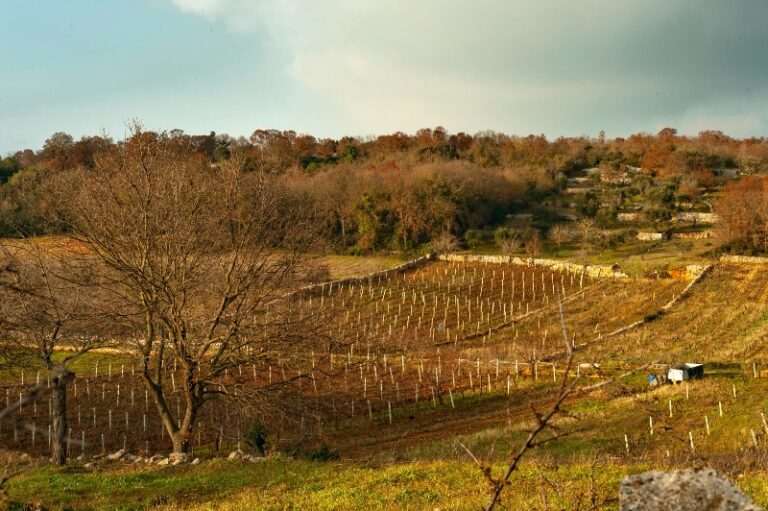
(181, 443)
(59, 430)
(179, 428)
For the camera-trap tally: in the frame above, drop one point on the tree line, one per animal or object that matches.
(396, 191)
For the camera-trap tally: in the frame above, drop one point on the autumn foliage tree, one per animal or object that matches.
(743, 209)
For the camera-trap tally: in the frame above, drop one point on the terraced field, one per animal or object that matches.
(725, 320)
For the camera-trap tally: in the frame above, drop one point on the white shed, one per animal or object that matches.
(685, 372)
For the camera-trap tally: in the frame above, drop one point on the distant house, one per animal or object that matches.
(685, 371)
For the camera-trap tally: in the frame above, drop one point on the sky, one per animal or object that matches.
(367, 67)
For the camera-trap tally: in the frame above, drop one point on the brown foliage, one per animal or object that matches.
(743, 207)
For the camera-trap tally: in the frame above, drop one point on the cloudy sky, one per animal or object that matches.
(364, 67)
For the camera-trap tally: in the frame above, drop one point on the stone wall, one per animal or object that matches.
(743, 259)
(594, 271)
(692, 216)
(629, 217)
(697, 235)
(651, 236)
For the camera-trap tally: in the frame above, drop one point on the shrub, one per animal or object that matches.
(323, 453)
(476, 237)
(445, 243)
(257, 437)
(605, 217)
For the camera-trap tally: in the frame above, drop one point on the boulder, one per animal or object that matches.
(116, 455)
(195, 461)
(682, 490)
(178, 457)
(155, 458)
(235, 455)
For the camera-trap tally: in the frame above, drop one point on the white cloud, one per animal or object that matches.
(524, 66)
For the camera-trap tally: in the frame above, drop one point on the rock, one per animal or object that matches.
(80, 458)
(163, 462)
(155, 458)
(177, 458)
(89, 465)
(255, 459)
(116, 455)
(131, 458)
(174, 456)
(235, 455)
(682, 490)
(195, 461)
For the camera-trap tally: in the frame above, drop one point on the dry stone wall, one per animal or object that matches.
(594, 271)
(743, 259)
(691, 216)
(698, 235)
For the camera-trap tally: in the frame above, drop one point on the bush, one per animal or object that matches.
(605, 218)
(652, 316)
(476, 237)
(502, 234)
(544, 217)
(257, 437)
(320, 273)
(445, 243)
(323, 453)
(534, 247)
(588, 204)
(560, 233)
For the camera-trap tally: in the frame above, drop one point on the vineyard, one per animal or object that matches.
(431, 337)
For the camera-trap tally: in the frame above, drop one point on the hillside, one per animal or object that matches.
(501, 355)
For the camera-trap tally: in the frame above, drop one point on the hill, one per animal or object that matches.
(470, 350)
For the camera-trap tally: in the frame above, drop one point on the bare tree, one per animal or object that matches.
(194, 259)
(45, 312)
(445, 243)
(560, 234)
